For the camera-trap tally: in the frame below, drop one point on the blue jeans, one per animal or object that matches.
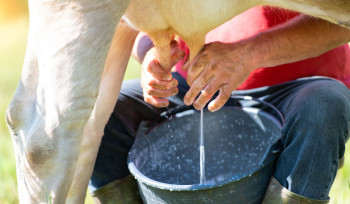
(317, 115)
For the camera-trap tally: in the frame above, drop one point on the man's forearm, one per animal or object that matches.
(301, 38)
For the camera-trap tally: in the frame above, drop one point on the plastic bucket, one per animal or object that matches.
(241, 146)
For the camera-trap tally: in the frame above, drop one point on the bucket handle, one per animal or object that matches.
(262, 102)
(164, 115)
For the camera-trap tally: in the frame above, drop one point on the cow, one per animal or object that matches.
(76, 56)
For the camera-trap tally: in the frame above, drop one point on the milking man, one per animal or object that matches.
(298, 63)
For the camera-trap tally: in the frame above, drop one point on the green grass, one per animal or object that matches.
(12, 47)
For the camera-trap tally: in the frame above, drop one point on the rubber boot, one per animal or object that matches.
(121, 191)
(277, 194)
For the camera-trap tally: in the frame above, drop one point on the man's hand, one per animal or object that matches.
(157, 82)
(218, 67)
(224, 67)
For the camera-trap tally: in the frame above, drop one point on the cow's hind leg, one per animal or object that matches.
(67, 47)
(112, 77)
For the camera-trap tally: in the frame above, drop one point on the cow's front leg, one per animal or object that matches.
(67, 46)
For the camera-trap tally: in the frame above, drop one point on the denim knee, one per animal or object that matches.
(322, 106)
(317, 122)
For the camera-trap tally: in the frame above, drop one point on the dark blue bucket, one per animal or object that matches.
(241, 146)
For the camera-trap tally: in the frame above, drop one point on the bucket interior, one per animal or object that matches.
(235, 140)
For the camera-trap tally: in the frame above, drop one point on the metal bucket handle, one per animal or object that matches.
(168, 113)
(260, 101)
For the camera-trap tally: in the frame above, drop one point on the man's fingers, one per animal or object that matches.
(151, 65)
(163, 85)
(206, 95)
(199, 84)
(177, 54)
(155, 101)
(158, 72)
(221, 99)
(174, 44)
(160, 93)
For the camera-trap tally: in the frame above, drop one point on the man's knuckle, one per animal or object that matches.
(152, 82)
(159, 86)
(166, 86)
(225, 95)
(206, 94)
(147, 99)
(148, 68)
(151, 66)
(196, 106)
(214, 68)
(148, 90)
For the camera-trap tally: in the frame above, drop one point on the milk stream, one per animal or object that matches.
(201, 152)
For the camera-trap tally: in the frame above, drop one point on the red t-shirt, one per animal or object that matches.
(334, 63)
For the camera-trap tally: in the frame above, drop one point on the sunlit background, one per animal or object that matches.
(13, 33)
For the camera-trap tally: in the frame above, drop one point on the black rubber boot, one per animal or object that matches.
(121, 191)
(277, 194)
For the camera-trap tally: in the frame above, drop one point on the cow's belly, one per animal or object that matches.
(185, 18)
